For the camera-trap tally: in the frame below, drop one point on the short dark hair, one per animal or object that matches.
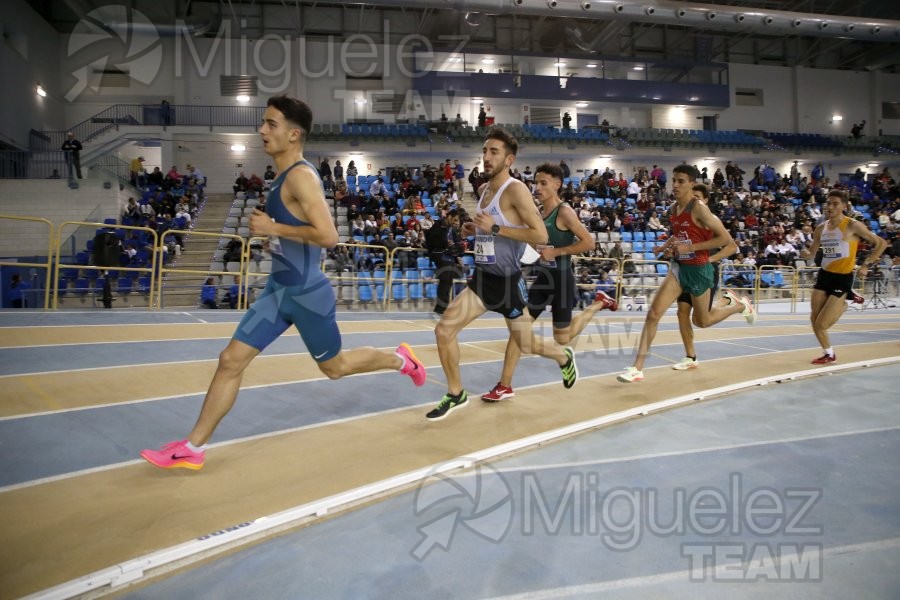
(550, 169)
(701, 187)
(689, 170)
(497, 133)
(294, 110)
(842, 194)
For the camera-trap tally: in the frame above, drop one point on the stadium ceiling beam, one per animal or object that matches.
(726, 18)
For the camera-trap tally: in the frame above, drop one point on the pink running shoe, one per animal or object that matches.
(175, 455)
(412, 366)
(608, 301)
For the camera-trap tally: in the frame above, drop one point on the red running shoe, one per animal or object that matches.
(825, 359)
(498, 393)
(608, 301)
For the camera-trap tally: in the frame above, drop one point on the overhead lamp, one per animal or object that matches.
(638, 68)
(361, 101)
(40, 91)
(837, 118)
(581, 104)
(871, 164)
(487, 61)
(238, 147)
(592, 65)
(243, 98)
(559, 64)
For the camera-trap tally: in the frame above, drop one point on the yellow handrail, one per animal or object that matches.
(59, 265)
(46, 265)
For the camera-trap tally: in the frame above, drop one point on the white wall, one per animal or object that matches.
(187, 70)
(53, 200)
(777, 113)
(29, 51)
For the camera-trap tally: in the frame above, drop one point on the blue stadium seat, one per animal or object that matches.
(124, 285)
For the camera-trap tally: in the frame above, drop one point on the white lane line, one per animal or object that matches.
(745, 345)
(260, 436)
(684, 576)
(693, 451)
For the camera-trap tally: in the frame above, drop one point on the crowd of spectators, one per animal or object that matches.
(771, 216)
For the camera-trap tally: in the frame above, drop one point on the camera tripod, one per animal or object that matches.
(876, 301)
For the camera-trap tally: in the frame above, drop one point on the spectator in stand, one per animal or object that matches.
(448, 171)
(751, 221)
(136, 172)
(241, 183)
(780, 252)
(341, 197)
(452, 196)
(156, 177)
(633, 189)
(196, 174)
(182, 210)
(565, 169)
(208, 293)
(357, 226)
(255, 184)
(269, 176)
(351, 169)
(72, 149)
(857, 129)
(377, 187)
(653, 223)
(173, 177)
(231, 296)
(131, 211)
(232, 251)
(325, 170)
(474, 180)
(459, 172)
(817, 175)
(718, 179)
(19, 289)
(338, 171)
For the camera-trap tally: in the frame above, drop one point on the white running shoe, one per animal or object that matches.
(749, 312)
(686, 363)
(731, 297)
(630, 375)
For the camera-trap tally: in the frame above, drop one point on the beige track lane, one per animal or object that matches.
(29, 394)
(91, 334)
(64, 529)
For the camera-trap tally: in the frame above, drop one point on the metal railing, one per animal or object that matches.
(152, 269)
(19, 164)
(46, 266)
(164, 270)
(387, 286)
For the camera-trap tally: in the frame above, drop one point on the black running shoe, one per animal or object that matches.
(447, 405)
(570, 369)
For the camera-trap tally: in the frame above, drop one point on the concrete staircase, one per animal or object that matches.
(183, 290)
